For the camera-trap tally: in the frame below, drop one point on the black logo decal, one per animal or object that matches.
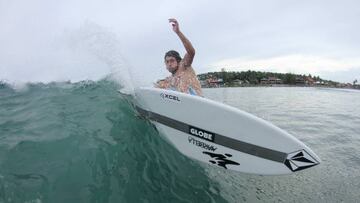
(300, 160)
(169, 96)
(201, 144)
(220, 159)
(203, 134)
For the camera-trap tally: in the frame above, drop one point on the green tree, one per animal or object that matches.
(290, 79)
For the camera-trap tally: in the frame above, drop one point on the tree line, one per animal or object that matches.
(254, 77)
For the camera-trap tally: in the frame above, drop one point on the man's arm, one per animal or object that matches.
(190, 51)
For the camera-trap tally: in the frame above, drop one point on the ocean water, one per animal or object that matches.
(83, 142)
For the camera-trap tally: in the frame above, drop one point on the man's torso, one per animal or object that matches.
(184, 81)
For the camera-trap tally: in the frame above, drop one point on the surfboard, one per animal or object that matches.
(221, 135)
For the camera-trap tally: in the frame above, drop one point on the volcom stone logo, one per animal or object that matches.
(220, 159)
(169, 96)
(203, 134)
(201, 144)
(300, 160)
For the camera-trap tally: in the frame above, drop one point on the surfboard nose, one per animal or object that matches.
(302, 159)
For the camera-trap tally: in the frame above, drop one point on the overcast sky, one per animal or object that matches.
(66, 40)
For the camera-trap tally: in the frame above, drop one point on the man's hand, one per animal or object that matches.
(175, 25)
(163, 84)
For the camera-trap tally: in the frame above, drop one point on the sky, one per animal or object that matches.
(48, 40)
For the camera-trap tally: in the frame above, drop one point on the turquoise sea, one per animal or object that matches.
(82, 142)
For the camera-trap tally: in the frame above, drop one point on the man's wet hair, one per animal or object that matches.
(173, 53)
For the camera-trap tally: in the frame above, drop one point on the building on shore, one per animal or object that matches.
(299, 81)
(212, 82)
(309, 81)
(238, 82)
(271, 80)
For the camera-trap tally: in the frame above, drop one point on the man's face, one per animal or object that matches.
(171, 64)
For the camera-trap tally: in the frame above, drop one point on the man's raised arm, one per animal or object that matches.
(190, 51)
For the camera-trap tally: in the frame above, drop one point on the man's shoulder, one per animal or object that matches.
(186, 68)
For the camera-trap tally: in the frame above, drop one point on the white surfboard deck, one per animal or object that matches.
(221, 135)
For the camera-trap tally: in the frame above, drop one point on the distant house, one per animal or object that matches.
(299, 81)
(264, 81)
(238, 82)
(212, 82)
(309, 81)
(321, 83)
(203, 83)
(271, 80)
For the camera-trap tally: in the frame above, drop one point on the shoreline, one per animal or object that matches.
(279, 85)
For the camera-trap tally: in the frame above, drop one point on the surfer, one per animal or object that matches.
(183, 77)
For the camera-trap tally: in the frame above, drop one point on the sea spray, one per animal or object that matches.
(105, 46)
